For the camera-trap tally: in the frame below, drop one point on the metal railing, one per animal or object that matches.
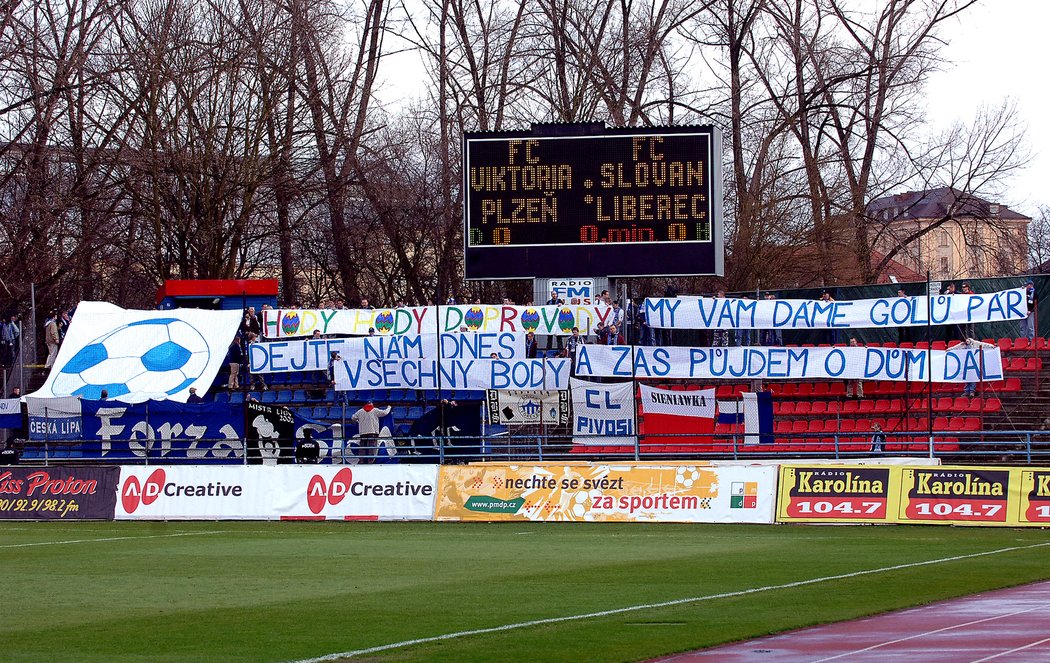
(1014, 447)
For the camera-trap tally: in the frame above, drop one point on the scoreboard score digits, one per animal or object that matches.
(623, 202)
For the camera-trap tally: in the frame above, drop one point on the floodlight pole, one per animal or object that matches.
(929, 363)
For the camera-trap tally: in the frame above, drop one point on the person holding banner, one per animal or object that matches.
(904, 332)
(854, 386)
(970, 390)
(830, 336)
(771, 337)
(720, 337)
(367, 420)
(1028, 323)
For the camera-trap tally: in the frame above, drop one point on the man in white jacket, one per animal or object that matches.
(367, 419)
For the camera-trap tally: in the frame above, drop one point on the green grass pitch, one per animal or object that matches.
(192, 591)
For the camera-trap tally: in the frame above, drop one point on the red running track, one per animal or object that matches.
(1005, 625)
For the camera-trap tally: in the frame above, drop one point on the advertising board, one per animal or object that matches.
(296, 492)
(610, 493)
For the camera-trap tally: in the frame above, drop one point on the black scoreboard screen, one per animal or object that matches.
(621, 202)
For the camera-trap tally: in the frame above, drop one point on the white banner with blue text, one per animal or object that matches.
(886, 312)
(957, 364)
(545, 320)
(354, 374)
(602, 413)
(314, 354)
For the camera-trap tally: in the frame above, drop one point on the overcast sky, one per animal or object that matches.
(996, 50)
(999, 50)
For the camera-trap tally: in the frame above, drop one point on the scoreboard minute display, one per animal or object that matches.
(616, 202)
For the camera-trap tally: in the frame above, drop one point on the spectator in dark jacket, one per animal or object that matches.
(233, 361)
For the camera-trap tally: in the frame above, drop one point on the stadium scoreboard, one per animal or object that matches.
(611, 202)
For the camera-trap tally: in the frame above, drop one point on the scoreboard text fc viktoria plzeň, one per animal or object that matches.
(611, 202)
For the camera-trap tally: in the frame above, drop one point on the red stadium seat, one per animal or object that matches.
(1033, 364)
(850, 407)
(724, 391)
(1022, 344)
(940, 424)
(956, 424)
(821, 390)
(847, 425)
(940, 345)
(818, 408)
(833, 407)
(882, 406)
(1005, 344)
(972, 423)
(1012, 385)
(839, 389)
(944, 404)
(865, 407)
(786, 407)
(805, 389)
(803, 407)
(789, 389)
(799, 426)
(992, 405)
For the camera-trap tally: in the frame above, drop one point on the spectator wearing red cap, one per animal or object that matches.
(367, 420)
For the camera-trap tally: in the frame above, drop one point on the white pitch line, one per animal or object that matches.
(649, 606)
(924, 634)
(110, 538)
(1014, 650)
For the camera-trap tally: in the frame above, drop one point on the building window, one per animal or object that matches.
(945, 238)
(945, 266)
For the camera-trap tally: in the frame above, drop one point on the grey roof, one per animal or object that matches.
(937, 204)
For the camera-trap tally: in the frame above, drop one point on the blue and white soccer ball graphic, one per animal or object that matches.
(153, 358)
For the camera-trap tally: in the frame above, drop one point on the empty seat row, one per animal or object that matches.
(941, 404)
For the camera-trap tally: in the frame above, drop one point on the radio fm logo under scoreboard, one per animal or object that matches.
(838, 493)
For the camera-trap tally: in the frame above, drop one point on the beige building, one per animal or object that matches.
(967, 237)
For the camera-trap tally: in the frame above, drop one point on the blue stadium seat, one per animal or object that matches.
(269, 396)
(286, 396)
(414, 412)
(399, 395)
(221, 397)
(298, 396)
(236, 397)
